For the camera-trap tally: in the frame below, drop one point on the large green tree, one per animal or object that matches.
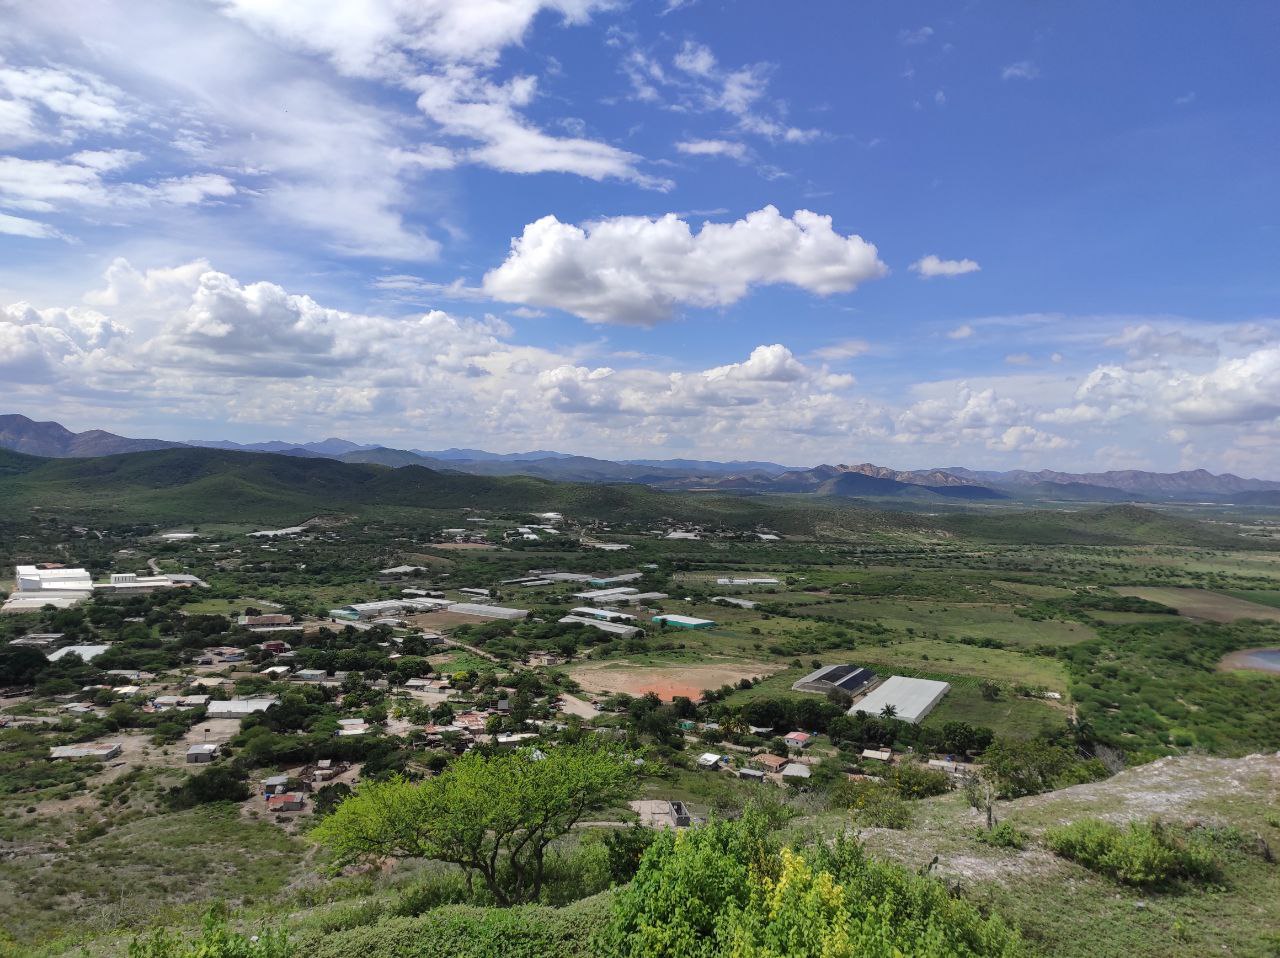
(493, 815)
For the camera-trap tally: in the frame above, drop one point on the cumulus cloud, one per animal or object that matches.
(963, 331)
(639, 271)
(1235, 390)
(930, 266)
(206, 344)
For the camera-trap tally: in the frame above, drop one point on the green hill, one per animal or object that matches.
(189, 484)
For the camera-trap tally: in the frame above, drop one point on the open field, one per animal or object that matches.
(930, 655)
(1202, 604)
(975, 621)
(1007, 715)
(668, 682)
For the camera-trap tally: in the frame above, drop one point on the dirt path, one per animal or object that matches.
(572, 705)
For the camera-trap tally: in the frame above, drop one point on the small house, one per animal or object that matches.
(201, 753)
(286, 802)
(797, 739)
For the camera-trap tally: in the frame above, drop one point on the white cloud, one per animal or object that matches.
(445, 52)
(313, 151)
(737, 151)
(377, 38)
(45, 103)
(930, 266)
(90, 180)
(636, 270)
(696, 58)
(845, 349)
(963, 331)
(915, 37)
(1236, 390)
(1021, 70)
(204, 346)
(21, 226)
(468, 106)
(699, 84)
(1145, 341)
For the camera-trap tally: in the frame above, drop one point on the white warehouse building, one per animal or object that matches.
(912, 699)
(33, 579)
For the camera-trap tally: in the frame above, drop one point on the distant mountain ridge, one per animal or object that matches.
(1135, 481)
(50, 439)
(53, 440)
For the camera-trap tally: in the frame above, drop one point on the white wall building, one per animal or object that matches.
(32, 579)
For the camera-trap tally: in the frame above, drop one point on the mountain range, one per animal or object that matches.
(864, 480)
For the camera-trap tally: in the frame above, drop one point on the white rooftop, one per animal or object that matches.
(912, 699)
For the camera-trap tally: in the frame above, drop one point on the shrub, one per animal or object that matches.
(913, 780)
(873, 804)
(1003, 835)
(1146, 854)
(729, 889)
(468, 931)
(216, 940)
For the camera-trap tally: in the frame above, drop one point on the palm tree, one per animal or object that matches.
(889, 711)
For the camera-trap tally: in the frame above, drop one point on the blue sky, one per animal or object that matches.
(991, 234)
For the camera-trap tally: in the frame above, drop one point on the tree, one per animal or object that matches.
(20, 664)
(492, 815)
(1020, 767)
(889, 711)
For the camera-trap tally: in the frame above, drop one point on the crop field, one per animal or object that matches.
(1202, 604)
(1269, 597)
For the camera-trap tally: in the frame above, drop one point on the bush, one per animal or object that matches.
(216, 940)
(1146, 854)
(468, 931)
(913, 780)
(1003, 835)
(873, 804)
(217, 783)
(728, 889)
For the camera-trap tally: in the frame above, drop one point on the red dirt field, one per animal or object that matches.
(666, 681)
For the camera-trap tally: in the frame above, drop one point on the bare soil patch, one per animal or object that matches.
(666, 681)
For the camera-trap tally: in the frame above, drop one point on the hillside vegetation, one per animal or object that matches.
(216, 485)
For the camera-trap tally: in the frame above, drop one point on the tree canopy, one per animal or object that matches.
(492, 815)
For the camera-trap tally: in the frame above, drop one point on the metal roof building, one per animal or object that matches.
(614, 628)
(847, 678)
(912, 699)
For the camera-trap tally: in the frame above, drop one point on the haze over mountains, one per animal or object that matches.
(955, 483)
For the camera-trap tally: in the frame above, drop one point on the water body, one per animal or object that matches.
(1264, 660)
